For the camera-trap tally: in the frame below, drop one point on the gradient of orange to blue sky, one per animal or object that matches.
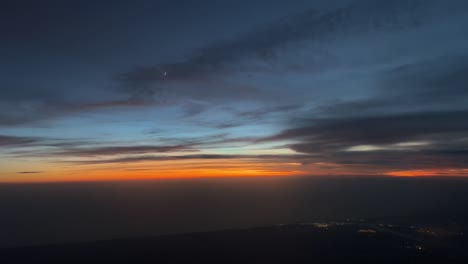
(192, 89)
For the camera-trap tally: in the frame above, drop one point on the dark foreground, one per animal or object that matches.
(332, 242)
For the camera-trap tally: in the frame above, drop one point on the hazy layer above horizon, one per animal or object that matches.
(67, 212)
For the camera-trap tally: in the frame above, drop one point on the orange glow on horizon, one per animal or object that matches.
(429, 172)
(159, 170)
(197, 169)
(123, 176)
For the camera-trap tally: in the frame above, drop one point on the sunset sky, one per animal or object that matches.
(104, 90)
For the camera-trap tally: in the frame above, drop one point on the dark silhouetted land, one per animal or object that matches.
(356, 241)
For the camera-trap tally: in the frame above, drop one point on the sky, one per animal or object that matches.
(113, 90)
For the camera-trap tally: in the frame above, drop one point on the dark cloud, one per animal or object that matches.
(376, 130)
(133, 159)
(437, 83)
(46, 147)
(111, 104)
(16, 142)
(356, 83)
(29, 172)
(211, 141)
(258, 50)
(121, 150)
(426, 86)
(401, 160)
(193, 109)
(258, 113)
(9, 141)
(406, 141)
(360, 17)
(25, 112)
(223, 125)
(17, 113)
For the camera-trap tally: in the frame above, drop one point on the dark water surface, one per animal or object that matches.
(66, 212)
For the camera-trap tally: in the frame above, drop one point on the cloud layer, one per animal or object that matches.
(352, 86)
